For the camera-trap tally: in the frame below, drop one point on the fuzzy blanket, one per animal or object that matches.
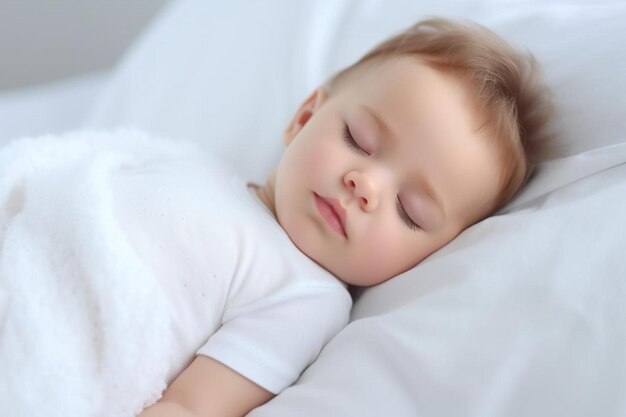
(84, 326)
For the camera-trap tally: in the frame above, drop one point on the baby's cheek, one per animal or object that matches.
(391, 254)
(375, 260)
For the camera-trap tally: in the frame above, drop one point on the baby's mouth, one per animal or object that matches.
(332, 212)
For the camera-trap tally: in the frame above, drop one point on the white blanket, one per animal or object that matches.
(83, 325)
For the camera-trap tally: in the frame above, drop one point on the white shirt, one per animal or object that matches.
(240, 291)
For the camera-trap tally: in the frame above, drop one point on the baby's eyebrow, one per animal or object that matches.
(383, 126)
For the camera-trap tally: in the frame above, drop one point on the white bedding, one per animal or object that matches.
(54, 107)
(86, 324)
(523, 314)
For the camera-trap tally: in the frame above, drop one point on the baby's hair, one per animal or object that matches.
(514, 103)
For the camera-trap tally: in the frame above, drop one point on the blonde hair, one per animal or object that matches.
(515, 105)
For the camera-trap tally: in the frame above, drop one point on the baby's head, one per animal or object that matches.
(397, 154)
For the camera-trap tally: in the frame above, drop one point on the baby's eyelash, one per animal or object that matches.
(403, 214)
(349, 139)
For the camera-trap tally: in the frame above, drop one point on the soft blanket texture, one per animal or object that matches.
(83, 325)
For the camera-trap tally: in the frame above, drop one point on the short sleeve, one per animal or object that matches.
(272, 340)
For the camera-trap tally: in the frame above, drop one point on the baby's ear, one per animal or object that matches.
(304, 113)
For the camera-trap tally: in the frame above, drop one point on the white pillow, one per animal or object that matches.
(231, 74)
(523, 314)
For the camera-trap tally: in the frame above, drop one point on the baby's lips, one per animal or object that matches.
(339, 210)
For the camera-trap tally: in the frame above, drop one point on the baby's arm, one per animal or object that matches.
(208, 388)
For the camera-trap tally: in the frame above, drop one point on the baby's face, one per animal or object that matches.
(396, 153)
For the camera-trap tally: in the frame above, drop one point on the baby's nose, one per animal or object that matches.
(364, 187)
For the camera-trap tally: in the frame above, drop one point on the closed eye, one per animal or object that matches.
(405, 217)
(349, 139)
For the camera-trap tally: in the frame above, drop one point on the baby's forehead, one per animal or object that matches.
(406, 94)
(382, 70)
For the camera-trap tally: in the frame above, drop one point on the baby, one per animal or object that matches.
(427, 134)
(119, 252)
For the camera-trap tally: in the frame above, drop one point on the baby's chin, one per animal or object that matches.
(357, 275)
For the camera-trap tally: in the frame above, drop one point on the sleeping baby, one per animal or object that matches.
(234, 287)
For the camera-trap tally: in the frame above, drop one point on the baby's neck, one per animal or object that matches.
(264, 193)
